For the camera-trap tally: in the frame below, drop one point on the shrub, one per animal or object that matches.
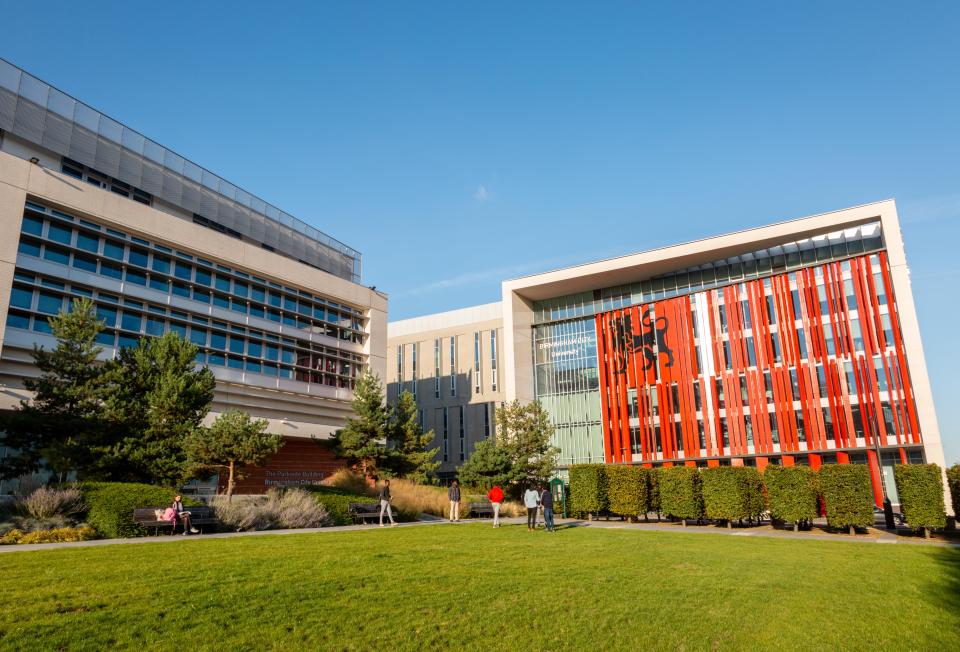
(59, 535)
(350, 481)
(49, 502)
(792, 493)
(279, 509)
(732, 493)
(30, 524)
(681, 494)
(920, 487)
(11, 536)
(653, 490)
(588, 488)
(337, 501)
(953, 480)
(112, 504)
(412, 499)
(847, 495)
(626, 490)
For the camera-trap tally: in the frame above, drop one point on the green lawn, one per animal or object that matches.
(471, 587)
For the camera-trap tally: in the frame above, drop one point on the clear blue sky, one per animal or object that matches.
(456, 145)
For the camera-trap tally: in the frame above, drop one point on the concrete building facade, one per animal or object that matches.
(450, 362)
(793, 343)
(91, 208)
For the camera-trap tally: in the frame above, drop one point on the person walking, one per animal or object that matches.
(531, 500)
(453, 493)
(385, 499)
(495, 496)
(546, 500)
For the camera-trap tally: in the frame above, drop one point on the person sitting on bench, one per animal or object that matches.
(181, 515)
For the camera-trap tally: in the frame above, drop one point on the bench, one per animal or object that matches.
(200, 516)
(482, 510)
(364, 512)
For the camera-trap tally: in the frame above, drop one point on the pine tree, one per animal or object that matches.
(233, 443)
(62, 427)
(409, 455)
(158, 399)
(524, 431)
(362, 441)
(489, 465)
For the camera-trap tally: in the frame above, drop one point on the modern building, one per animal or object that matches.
(794, 343)
(91, 208)
(448, 361)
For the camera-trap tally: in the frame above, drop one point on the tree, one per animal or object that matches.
(409, 455)
(233, 442)
(62, 427)
(524, 430)
(158, 399)
(489, 465)
(362, 441)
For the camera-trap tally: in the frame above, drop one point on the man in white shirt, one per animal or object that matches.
(531, 500)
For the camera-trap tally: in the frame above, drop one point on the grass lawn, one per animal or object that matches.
(471, 587)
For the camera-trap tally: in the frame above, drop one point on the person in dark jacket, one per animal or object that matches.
(385, 499)
(546, 501)
(453, 493)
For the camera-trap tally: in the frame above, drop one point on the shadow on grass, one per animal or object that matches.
(945, 593)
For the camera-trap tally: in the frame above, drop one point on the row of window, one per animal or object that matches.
(104, 181)
(127, 321)
(160, 272)
(447, 425)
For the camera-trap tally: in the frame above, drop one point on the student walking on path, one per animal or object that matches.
(453, 493)
(495, 496)
(546, 499)
(385, 499)
(531, 501)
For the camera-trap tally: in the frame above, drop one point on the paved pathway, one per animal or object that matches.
(873, 535)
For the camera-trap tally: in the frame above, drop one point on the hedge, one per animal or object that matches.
(626, 490)
(847, 495)
(732, 493)
(653, 490)
(337, 501)
(920, 487)
(792, 493)
(681, 494)
(112, 504)
(588, 488)
(953, 480)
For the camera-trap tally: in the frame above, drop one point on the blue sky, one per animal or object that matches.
(456, 145)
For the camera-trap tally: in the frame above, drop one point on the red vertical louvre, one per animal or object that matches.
(604, 386)
(762, 463)
(865, 306)
(898, 344)
(875, 303)
(876, 482)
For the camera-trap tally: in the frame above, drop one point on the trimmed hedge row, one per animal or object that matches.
(681, 494)
(112, 504)
(627, 493)
(792, 493)
(953, 480)
(847, 495)
(588, 488)
(921, 495)
(732, 493)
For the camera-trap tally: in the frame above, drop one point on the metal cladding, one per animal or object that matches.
(805, 362)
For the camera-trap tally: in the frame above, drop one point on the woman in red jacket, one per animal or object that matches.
(496, 498)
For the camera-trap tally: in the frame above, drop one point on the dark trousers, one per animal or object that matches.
(531, 517)
(548, 518)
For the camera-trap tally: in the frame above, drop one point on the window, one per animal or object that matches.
(477, 376)
(413, 367)
(463, 433)
(236, 345)
(32, 225)
(49, 303)
(138, 278)
(107, 315)
(138, 257)
(61, 234)
(15, 320)
(130, 321)
(436, 367)
(181, 289)
(56, 255)
(29, 248)
(493, 360)
(399, 369)
(113, 250)
(446, 435)
(155, 326)
(89, 243)
(453, 366)
(198, 336)
(183, 271)
(486, 420)
(21, 298)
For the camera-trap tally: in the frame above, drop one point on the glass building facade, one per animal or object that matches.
(239, 321)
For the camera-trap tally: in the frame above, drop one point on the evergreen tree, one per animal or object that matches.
(158, 399)
(409, 455)
(362, 441)
(233, 443)
(489, 465)
(62, 427)
(524, 430)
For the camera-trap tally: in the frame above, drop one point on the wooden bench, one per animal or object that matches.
(200, 516)
(481, 510)
(364, 512)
